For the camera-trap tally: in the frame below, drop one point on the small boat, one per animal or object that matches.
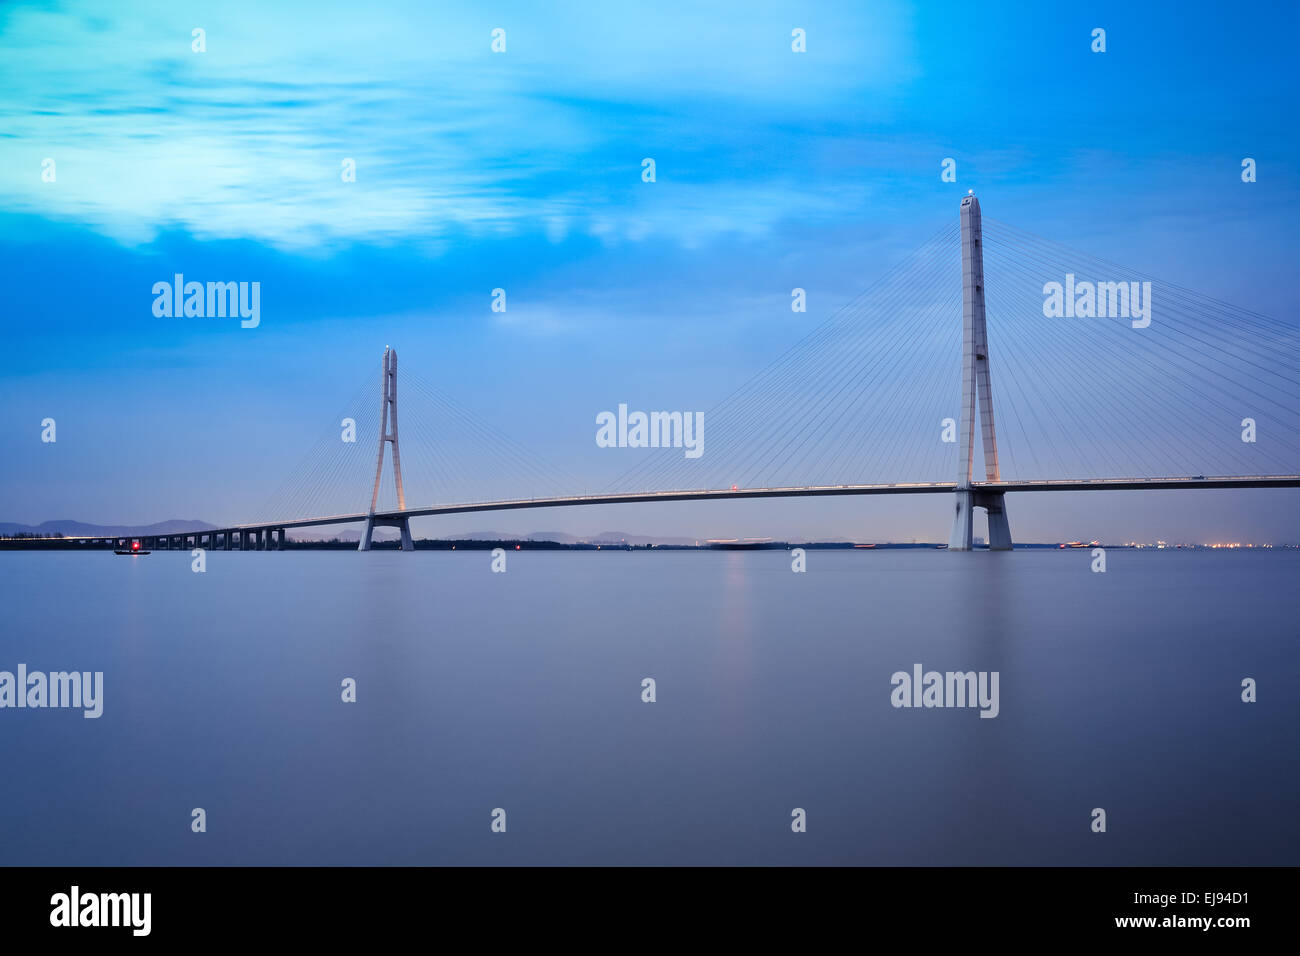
(134, 549)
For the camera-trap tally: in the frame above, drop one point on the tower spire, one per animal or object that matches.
(388, 429)
(387, 434)
(976, 393)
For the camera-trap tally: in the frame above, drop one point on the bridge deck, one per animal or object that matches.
(812, 491)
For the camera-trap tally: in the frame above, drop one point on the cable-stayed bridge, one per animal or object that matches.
(1101, 378)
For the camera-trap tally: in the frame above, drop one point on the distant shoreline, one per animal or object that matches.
(520, 544)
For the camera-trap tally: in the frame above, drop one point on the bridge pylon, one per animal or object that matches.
(387, 434)
(976, 392)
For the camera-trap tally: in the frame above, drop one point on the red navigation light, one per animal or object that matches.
(135, 545)
(516, 547)
(734, 488)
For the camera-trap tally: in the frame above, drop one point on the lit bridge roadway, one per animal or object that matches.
(270, 535)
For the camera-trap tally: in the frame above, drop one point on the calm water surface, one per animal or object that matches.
(523, 691)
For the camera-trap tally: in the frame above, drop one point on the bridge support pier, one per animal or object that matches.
(402, 524)
(963, 521)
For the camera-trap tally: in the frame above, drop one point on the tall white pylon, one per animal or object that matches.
(387, 434)
(976, 391)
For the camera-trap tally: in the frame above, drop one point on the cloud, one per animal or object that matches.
(246, 140)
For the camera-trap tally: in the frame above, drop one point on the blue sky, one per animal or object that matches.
(522, 170)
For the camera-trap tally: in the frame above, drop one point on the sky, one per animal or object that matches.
(522, 170)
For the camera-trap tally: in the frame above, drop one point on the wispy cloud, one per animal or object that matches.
(246, 140)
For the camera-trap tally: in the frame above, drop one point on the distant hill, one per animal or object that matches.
(562, 537)
(78, 529)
